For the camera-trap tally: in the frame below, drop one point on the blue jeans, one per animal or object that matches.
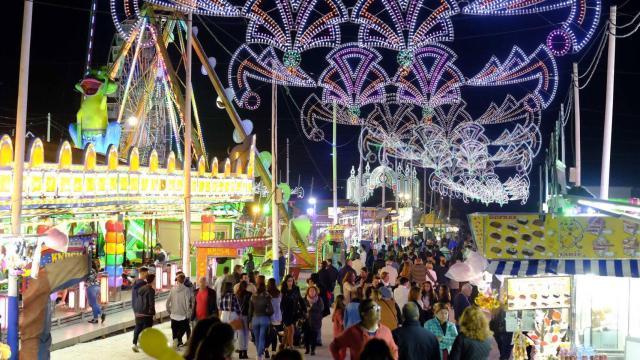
(243, 334)
(261, 326)
(92, 296)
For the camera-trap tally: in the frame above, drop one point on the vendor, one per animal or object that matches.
(160, 256)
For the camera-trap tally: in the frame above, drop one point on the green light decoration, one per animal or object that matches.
(265, 158)
(354, 111)
(286, 192)
(405, 58)
(266, 209)
(291, 59)
(427, 112)
(301, 224)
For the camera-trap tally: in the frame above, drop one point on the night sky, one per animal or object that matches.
(58, 51)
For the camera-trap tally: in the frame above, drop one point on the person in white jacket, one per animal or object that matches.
(180, 308)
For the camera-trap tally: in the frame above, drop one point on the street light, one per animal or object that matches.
(312, 201)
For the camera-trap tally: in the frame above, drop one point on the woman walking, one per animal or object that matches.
(338, 316)
(93, 290)
(276, 317)
(349, 287)
(292, 308)
(260, 309)
(444, 330)
(229, 307)
(474, 341)
(428, 297)
(244, 300)
(313, 323)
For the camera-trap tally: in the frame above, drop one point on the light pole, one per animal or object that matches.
(312, 212)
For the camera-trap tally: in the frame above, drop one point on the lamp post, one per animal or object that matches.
(312, 212)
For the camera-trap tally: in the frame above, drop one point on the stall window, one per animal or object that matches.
(602, 311)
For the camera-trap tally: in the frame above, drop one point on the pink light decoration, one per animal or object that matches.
(314, 110)
(104, 289)
(200, 7)
(431, 80)
(174, 270)
(159, 276)
(82, 295)
(404, 25)
(245, 64)
(165, 279)
(574, 33)
(294, 26)
(354, 78)
(4, 311)
(539, 67)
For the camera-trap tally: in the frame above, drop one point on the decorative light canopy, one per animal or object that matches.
(354, 78)
(266, 67)
(294, 26)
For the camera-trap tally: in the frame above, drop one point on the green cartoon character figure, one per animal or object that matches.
(92, 124)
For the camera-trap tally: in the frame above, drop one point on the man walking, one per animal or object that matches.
(461, 301)
(415, 342)
(179, 307)
(145, 308)
(355, 337)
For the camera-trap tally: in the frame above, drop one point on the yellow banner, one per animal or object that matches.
(534, 236)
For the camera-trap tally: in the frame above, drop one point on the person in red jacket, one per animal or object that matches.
(355, 337)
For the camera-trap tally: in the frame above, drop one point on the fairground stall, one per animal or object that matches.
(116, 209)
(575, 273)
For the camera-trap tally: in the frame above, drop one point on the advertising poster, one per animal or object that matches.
(539, 237)
(553, 292)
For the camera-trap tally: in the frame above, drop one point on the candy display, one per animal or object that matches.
(539, 293)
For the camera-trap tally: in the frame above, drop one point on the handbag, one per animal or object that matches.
(269, 310)
(237, 324)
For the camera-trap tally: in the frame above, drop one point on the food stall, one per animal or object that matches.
(598, 252)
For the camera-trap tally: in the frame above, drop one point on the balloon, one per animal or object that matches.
(470, 270)
(212, 62)
(154, 343)
(195, 30)
(110, 225)
(56, 240)
(111, 248)
(286, 192)
(247, 125)
(110, 237)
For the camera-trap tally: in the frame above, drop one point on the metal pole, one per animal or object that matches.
(359, 190)
(546, 177)
(540, 190)
(334, 155)
(18, 169)
(424, 201)
(576, 111)
(48, 127)
(562, 148)
(275, 218)
(411, 190)
(314, 234)
(92, 29)
(384, 193)
(288, 183)
(186, 169)
(397, 195)
(608, 110)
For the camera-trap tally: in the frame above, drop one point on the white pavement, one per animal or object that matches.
(119, 346)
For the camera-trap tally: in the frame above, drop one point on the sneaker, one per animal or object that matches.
(313, 352)
(103, 317)
(266, 354)
(135, 348)
(93, 321)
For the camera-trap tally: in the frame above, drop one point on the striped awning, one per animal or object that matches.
(619, 268)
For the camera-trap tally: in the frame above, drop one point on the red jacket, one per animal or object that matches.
(355, 337)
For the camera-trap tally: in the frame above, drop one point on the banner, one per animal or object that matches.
(539, 237)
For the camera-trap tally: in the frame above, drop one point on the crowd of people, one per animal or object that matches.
(391, 302)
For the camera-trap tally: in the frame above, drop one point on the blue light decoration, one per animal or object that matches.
(404, 25)
(353, 78)
(573, 34)
(294, 26)
(431, 80)
(245, 64)
(518, 68)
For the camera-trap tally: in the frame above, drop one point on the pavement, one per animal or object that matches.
(119, 346)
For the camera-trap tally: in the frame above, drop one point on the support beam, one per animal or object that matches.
(186, 223)
(576, 111)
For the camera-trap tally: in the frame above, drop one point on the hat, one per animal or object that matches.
(385, 293)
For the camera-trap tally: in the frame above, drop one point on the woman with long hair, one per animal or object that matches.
(475, 339)
(276, 318)
(444, 330)
(200, 332)
(313, 323)
(444, 295)
(292, 307)
(351, 312)
(349, 287)
(260, 309)
(93, 291)
(244, 300)
(428, 297)
(218, 343)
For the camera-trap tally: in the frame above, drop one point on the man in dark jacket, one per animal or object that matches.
(345, 269)
(140, 282)
(145, 308)
(205, 301)
(414, 341)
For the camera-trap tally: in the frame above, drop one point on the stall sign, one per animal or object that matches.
(539, 237)
(77, 245)
(552, 292)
